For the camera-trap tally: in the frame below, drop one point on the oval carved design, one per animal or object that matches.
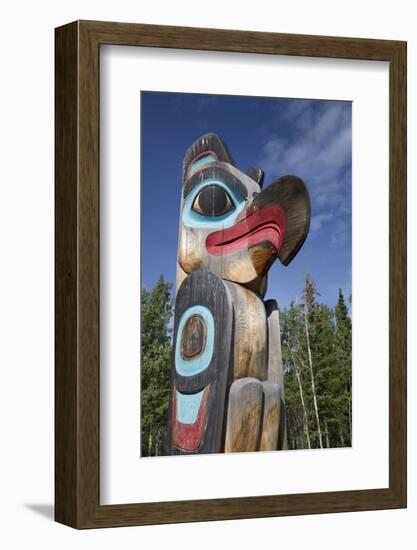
(193, 337)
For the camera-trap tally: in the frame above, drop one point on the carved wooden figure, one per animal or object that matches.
(227, 386)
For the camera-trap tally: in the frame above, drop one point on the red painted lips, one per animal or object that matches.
(256, 226)
(188, 437)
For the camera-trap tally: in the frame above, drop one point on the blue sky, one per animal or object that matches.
(308, 138)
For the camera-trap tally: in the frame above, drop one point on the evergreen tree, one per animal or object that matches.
(317, 355)
(343, 354)
(156, 353)
(316, 345)
(313, 343)
(326, 372)
(296, 392)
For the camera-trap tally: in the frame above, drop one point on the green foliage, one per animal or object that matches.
(316, 345)
(343, 353)
(317, 357)
(156, 346)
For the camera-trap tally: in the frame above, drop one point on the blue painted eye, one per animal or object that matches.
(200, 212)
(212, 200)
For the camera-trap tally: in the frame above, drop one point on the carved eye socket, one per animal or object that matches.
(213, 200)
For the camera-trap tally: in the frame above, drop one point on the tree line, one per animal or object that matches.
(317, 358)
(156, 360)
(316, 345)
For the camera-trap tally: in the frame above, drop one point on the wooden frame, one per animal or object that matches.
(77, 406)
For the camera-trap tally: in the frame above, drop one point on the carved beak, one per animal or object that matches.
(261, 231)
(274, 225)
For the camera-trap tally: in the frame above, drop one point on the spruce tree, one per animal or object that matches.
(156, 353)
(297, 394)
(316, 347)
(317, 360)
(343, 353)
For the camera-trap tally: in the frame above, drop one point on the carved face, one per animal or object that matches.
(229, 225)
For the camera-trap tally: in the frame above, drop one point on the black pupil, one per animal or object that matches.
(213, 200)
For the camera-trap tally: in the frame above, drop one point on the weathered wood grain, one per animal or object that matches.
(207, 144)
(193, 338)
(250, 357)
(192, 250)
(244, 415)
(67, 441)
(257, 175)
(275, 371)
(181, 275)
(205, 289)
(270, 416)
(291, 194)
(262, 257)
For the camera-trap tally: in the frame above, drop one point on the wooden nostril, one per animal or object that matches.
(263, 256)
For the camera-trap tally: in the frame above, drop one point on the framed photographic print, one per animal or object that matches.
(230, 274)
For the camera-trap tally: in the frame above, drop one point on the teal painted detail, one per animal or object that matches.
(188, 406)
(201, 162)
(194, 219)
(200, 363)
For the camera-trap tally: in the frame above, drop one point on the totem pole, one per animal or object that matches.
(227, 385)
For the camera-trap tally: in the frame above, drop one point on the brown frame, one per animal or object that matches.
(77, 274)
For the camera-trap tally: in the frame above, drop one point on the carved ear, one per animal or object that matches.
(206, 149)
(292, 195)
(257, 175)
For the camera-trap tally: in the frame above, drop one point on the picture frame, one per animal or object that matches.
(77, 270)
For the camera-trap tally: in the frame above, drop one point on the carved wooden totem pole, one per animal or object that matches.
(227, 386)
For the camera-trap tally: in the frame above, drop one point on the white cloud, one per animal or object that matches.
(318, 220)
(319, 151)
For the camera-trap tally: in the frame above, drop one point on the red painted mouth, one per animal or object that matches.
(188, 437)
(256, 226)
